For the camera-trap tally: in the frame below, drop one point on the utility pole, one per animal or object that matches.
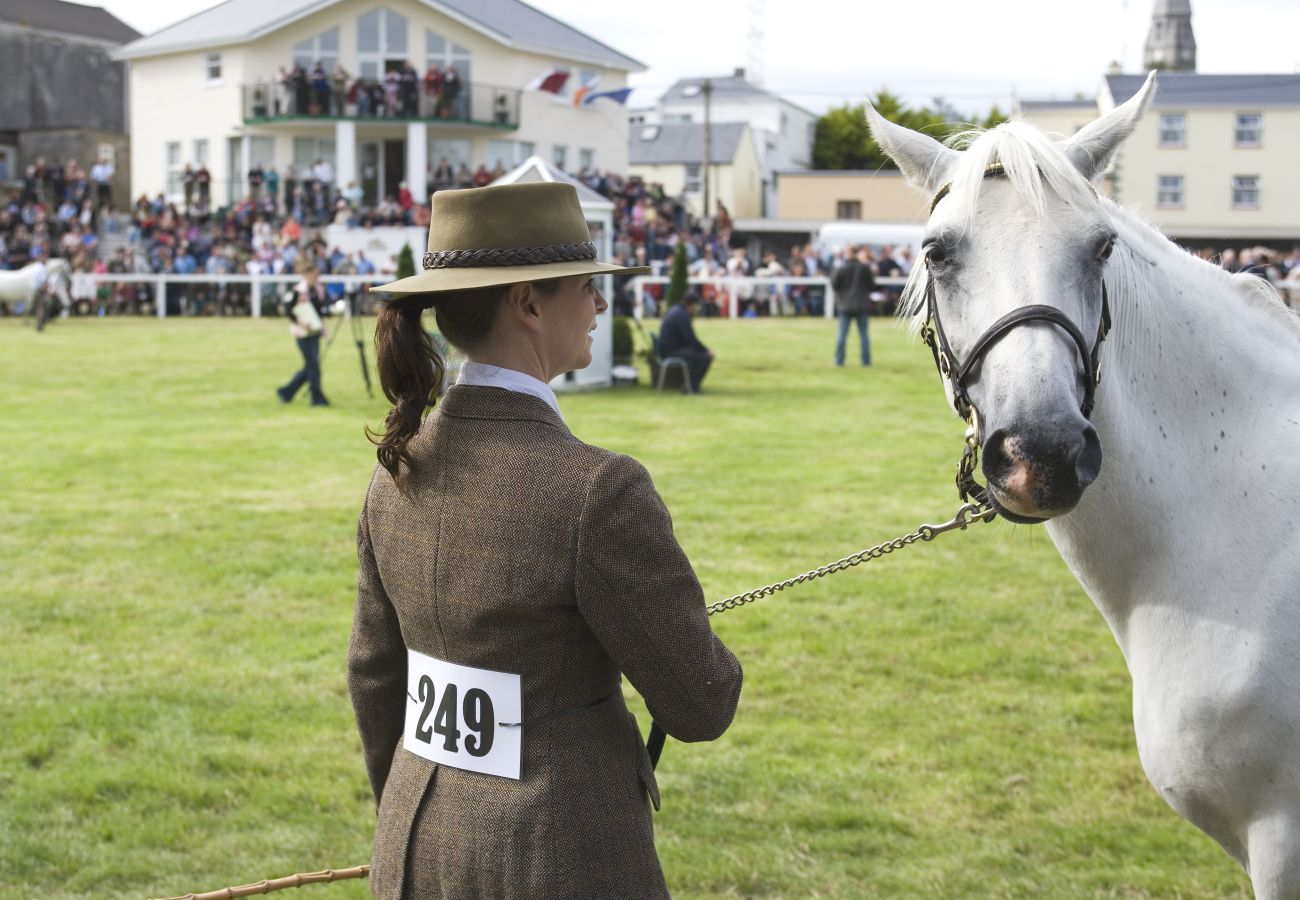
(707, 89)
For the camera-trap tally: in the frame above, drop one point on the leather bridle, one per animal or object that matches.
(955, 372)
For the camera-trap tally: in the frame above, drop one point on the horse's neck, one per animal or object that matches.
(1196, 407)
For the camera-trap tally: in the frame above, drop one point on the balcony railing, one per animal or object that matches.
(482, 105)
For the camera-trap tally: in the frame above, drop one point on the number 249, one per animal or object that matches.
(477, 712)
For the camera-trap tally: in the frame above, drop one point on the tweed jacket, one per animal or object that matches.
(518, 548)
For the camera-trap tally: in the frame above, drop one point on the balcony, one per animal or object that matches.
(475, 105)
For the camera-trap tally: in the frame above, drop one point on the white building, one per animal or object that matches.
(783, 131)
(206, 90)
(1213, 161)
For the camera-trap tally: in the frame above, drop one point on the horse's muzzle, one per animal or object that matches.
(1038, 472)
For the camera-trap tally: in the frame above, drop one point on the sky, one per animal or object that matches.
(824, 53)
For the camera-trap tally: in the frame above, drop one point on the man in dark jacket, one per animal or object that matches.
(677, 338)
(853, 283)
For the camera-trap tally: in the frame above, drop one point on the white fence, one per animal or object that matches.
(261, 288)
(729, 292)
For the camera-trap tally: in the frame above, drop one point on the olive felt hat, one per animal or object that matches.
(483, 237)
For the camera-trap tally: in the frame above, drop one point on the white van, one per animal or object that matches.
(833, 236)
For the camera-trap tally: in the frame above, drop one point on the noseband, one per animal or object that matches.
(955, 372)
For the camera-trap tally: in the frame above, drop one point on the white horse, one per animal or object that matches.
(1186, 538)
(37, 281)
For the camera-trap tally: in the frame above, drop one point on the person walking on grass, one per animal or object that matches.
(853, 283)
(510, 575)
(305, 305)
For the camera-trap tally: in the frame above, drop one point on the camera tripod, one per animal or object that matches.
(350, 301)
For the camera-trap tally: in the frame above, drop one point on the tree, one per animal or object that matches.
(843, 141)
(405, 262)
(677, 284)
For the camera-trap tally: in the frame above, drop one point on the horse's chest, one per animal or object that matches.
(1216, 731)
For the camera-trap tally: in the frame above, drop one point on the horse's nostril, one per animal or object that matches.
(1087, 465)
(997, 461)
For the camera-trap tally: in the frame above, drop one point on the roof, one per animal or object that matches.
(1195, 89)
(684, 143)
(534, 168)
(67, 18)
(734, 87)
(1058, 104)
(510, 22)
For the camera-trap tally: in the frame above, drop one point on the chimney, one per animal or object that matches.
(740, 72)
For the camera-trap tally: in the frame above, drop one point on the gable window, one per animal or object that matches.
(692, 185)
(1245, 192)
(323, 49)
(212, 67)
(381, 43)
(1250, 129)
(1173, 130)
(1169, 191)
(848, 209)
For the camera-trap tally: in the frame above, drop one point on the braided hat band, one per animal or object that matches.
(514, 256)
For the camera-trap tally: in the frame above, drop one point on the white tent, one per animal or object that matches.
(600, 219)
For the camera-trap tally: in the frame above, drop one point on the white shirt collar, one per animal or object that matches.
(482, 375)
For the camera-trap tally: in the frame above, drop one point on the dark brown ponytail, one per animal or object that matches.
(411, 370)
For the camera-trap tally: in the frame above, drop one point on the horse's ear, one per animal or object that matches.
(1093, 146)
(924, 161)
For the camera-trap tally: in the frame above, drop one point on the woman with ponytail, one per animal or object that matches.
(510, 576)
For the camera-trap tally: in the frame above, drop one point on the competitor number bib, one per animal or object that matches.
(464, 717)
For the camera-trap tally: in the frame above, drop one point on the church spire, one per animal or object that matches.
(1170, 43)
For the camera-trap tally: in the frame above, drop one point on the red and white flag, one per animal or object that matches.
(551, 81)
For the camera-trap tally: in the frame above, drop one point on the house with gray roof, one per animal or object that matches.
(783, 131)
(64, 96)
(1213, 162)
(217, 89)
(672, 155)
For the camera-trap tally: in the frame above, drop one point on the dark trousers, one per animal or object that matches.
(863, 335)
(309, 374)
(696, 363)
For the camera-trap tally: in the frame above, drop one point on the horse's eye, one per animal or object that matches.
(1106, 249)
(935, 255)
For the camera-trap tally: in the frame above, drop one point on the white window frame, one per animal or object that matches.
(586, 158)
(560, 157)
(452, 54)
(200, 151)
(1173, 130)
(527, 149)
(384, 53)
(1245, 192)
(1171, 191)
(174, 168)
(309, 52)
(692, 182)
(212, 69)
(1257, 129)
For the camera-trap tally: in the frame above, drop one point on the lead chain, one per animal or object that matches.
(965, 516)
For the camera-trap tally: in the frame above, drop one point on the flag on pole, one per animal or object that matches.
(552, 81)
(583, 91)
(619, 96)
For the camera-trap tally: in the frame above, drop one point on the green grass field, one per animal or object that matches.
(177, 573)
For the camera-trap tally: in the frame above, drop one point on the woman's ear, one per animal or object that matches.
(521, 301)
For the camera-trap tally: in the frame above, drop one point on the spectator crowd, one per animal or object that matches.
(65, 211)
(401, 93)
